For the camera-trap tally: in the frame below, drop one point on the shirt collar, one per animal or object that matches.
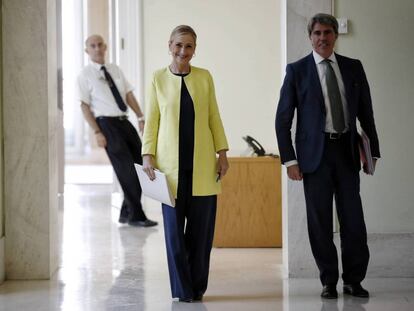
(98, 66)
(318, 59)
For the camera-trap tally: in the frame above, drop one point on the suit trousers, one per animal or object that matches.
(124, 149)
(189, 232)
(336, 177)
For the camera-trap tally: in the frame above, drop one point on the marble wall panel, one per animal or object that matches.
(54, 221)
(2, 259)
(25, 70)
(27, 208)
(301, 262)
(391, 254)
(30, 148)
(298, 13)
(298, 258)
(55, 129)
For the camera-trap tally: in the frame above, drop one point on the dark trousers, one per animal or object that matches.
(189, 232)
(124, 149)
(336, 177)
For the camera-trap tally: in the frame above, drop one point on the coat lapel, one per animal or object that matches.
(315, 83)
(348, 80)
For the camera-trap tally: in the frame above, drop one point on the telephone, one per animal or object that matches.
(256, 148)
(255, 145)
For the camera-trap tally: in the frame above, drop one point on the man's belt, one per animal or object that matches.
(335, 136)
(121, 118)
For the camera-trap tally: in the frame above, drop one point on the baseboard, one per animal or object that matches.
(2, 261)
(391, 256)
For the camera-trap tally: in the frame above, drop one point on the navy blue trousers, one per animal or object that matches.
(189, 232)
(336, 177)
(124, 149)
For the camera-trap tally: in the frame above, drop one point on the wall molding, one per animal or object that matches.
(391, 256)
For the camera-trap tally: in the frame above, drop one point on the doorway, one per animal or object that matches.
(85, 162)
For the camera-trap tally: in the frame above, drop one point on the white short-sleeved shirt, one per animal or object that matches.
(93, 89)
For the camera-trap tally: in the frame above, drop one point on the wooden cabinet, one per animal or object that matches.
(249, 207)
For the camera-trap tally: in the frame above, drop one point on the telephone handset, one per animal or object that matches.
(255, 145)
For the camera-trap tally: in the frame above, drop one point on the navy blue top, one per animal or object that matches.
(186, 132)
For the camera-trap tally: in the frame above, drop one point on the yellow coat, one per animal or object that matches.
(161, 132)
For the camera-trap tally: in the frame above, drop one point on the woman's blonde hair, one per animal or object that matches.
(183, 29)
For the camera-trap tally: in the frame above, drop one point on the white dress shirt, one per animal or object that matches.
(321, 67)
(93, 89)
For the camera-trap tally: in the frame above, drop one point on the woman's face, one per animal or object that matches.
(182, 48)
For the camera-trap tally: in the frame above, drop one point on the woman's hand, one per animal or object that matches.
(148, 165)
(222, 163)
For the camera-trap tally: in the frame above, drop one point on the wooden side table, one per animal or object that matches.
(249, 208)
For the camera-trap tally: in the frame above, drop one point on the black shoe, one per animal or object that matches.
(198, 298)
(185, 299)
(142, 223)
(329, 292)
(355, 290)
(123, 219)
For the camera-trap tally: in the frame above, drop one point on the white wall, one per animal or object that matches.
(380, 34)
(239, 42)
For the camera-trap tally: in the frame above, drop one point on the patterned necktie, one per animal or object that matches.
(337, 110)
(114, 90)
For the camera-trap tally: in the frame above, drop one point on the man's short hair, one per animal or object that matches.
(324, 19)
(93, 36)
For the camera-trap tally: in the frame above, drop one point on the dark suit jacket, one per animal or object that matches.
(302, 91)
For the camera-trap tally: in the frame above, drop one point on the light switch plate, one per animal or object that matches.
(342, 25)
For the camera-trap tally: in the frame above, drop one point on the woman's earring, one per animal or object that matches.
(169, 52)
(194, 55)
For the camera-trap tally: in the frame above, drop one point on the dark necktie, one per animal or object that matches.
(337, 110)
(114, 90)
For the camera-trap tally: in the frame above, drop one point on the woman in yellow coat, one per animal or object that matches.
(182, 135)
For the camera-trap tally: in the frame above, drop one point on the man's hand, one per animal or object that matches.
(141, 125)
(100, 139)
(365, 167)
(294, 172)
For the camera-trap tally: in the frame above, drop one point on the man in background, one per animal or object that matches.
(105, 96)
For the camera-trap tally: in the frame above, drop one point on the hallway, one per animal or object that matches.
(107, 266)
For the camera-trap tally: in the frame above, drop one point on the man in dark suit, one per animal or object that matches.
(329, 92)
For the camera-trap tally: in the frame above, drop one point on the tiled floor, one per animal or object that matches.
(107, 266)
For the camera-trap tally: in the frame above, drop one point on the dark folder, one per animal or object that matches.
(365, 153)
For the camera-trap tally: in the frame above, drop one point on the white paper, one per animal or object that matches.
(156, 189)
